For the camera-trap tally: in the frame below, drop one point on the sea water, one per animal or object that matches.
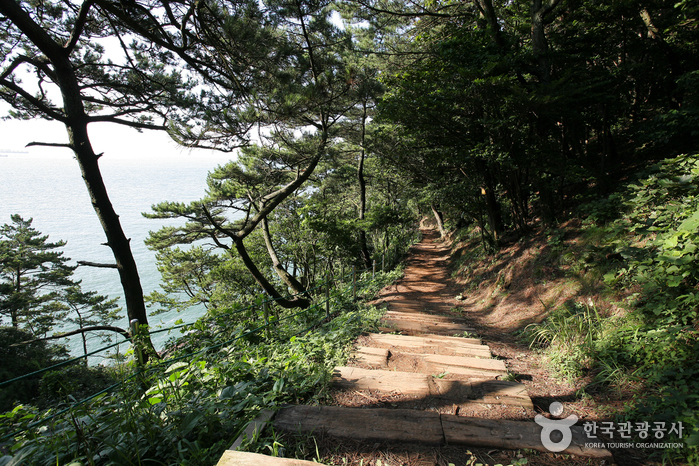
(46, 185)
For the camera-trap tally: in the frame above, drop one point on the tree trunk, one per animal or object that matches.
(265, 284)
(286, 277)
(14, 312)
(366, 257)
(540, 9)
(116, 239)
(492, 205)
(440, 223)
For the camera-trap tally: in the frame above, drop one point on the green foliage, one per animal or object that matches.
(644, 240)
(31, 270)
(87, 308)
(72, 383)
(18, 359)
(188, 409)
(198, 276)
(570, 334)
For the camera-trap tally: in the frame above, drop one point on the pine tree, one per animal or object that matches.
(31, 270)
(88, 309)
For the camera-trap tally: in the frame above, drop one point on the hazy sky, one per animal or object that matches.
(112, 139)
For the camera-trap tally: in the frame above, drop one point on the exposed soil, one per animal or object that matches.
(496, 309)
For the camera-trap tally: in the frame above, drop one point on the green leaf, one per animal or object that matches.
(177, 365)
(190, 422)
(674, 281)
(691, 224)
(671, 242)
(227, 393)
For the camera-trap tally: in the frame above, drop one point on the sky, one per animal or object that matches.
(112, 139)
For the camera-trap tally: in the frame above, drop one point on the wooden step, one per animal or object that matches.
(372, 357)
(473, 367)
(424, 317)
(375, 425)
(421, 328)
(423, 386)
(425, 427)
(496, 392)
(418, 307)
(243, 458)
(407, 383)
(446, 345)
(497, 433)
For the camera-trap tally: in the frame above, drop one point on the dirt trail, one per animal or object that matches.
(426, 276)
(423, 381)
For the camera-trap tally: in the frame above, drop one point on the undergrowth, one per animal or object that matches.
(642, 243)
(188, 410)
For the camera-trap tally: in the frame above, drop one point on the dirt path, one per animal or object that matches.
(426, 277)
(423, 381)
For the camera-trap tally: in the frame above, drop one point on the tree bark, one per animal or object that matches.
(285, 276)
(364, 250)
(291, 303)
(540, 48)
(440, 223)
(487, 11)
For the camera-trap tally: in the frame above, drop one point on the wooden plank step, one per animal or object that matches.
(424, 317)
(417, 303)
(425, 427)
(421, 328)
(418, 307)
(244, 458)
(375, 425)
(455, 343)
(475, 352)
(254, 428)
(407, 383)
(423, 386)
(463, 365)
(497, 392)
(373, 357)
(512, 435)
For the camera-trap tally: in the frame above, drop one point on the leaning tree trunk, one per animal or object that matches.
(116, 239)
(285, 276)
(288, 303)
(440, 222)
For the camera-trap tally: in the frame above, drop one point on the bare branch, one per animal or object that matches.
(96, 328)
(49, 144)
(121, 121)
(25, 59)
(424, 13)
(97, 264)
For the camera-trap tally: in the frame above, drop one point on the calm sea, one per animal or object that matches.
(46, 186)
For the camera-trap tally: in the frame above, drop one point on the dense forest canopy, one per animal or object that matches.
(350, 121)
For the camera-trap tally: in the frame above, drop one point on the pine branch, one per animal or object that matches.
(96, 264)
